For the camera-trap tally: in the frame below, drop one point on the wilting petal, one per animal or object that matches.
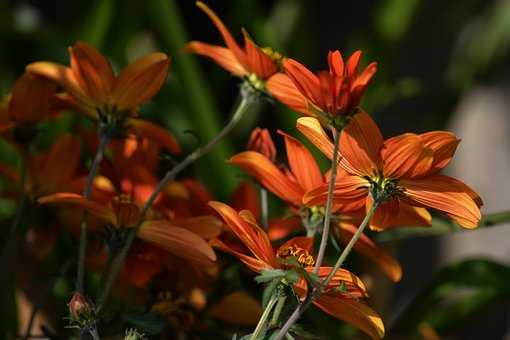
(243, 224)
(259, 62)
(221, 55)
(360, 145)
(302, 164)
(304, 80)
(281, 87)
(178, 241)
(64, 77)
(92, 70)
(251, 262)
(354, 312)
(348, 189)
(443, 145)
(97, 209)
(246, 197)
(225, 33)
(31, 99)
(159, 135)
(206, 227)
(258, 166)
(406, 156)
(140, 81)
(449, 196)
(312, 129)
(366, 247)
(237, 308)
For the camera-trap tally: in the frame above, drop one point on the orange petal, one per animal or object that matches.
(244, 226)
(354, 312)
(304, 80)
(409, 215)
(366, 247)
(258, 166)
(303, 242)
(355, 288)
(348, 190)
(140, 81)
(237, 308)
(221, 55)
(445, 194)
(336, 63)
(443, 144)
(259, 62)
(251, 262)
(406, 156)
(312, 129)
(31, 99)
(352, 63)
(159, 135)
(178, 241)
(281, 228)
(281, 87)
(92, 70)
(206, 227)
(97, 209)
(64, 77)
(246, 197)
(302, 164)
(360, 145)
(384, 214)
(225, 33)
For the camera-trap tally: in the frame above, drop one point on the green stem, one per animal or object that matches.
(245, 102)
(264, 214)
(350, 245)
(104, 139)
(318, 291)
(278, 310)
(265, 315)
(329, 201)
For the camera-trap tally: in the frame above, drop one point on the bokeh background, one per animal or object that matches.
(442, 65)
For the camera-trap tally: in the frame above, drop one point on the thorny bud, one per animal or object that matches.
(81, 309)
(260, 140)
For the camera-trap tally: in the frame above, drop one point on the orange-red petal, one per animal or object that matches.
(312, 129)
(269, 176)
(156, 133)
(237, 308)
(206, 227)
(406, 156)
(444, 194)
(304, 80)
(221, 55)
(140, 81)
(281, 87)
(443, 144)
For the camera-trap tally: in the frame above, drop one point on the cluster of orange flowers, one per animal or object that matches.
(396, 180)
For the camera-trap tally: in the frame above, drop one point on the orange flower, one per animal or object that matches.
(345, 306)
(30, 102)
(291, 185)
(251, 62)
(400, 171)
(260, 140)
(181, 238)
(93, 88)
(332, 93)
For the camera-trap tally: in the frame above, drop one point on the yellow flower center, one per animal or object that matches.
(303, 257)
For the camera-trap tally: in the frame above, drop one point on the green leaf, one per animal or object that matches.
(270, 275)
(456, 293)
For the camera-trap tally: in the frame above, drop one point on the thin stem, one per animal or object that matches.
(264, 317)
(264, 208)
(278, 310)
(352, 242)
(170, 176)
(104, 139)
(329, 201)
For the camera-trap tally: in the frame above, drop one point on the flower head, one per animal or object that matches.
(334, 93)
(341, 304)
(251, 62)
(403, 170)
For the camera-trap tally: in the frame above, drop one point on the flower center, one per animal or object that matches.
(383, 189)
(303, 257)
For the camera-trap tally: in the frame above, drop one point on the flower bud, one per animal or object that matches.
(260, 140)
(80, 308)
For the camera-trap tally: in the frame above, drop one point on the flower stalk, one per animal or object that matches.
(264, 213)
(265, 315)
(246, 99)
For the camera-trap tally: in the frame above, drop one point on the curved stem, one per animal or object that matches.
(318, 291)
(104, 139)
(329, 201)
(169, 176)
(265, 315)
